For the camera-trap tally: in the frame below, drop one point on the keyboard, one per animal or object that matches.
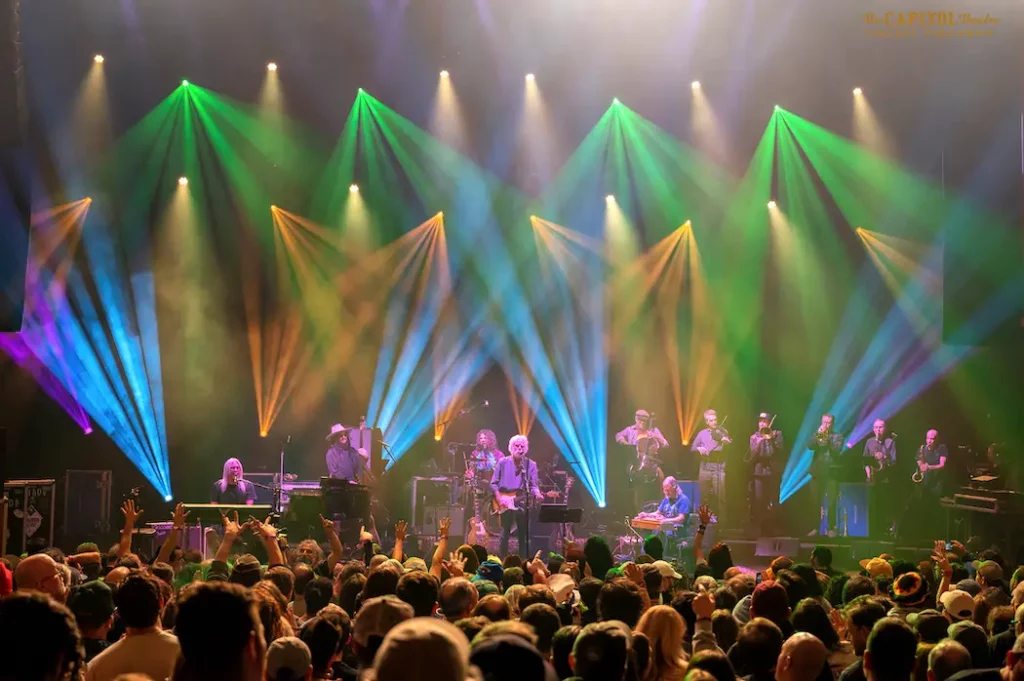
(650, 524)
(215, 510)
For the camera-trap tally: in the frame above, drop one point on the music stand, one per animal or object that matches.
(563, 515)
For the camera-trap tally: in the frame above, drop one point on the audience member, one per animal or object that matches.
(756, 650)
(41, 573)
(974, 638)
(725, 628)
(810, 617)
(545, 622)
(457, 598)
(375, 619)
(324, 641)
(601, 652)
(471, 626)
(802, 658)
(220, 635)
(715, 662)
(664, 629)
(93, 607)
(891, 652)
(289, 659)
(44, 632)
(620, 600)
(422, 649)
(494, 608)
(145, 647)
(947, 658)
(418, 589)
(561, 648)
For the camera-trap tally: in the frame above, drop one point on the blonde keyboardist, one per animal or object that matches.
(674, 507)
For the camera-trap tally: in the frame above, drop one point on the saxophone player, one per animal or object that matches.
(879, 454)
(928, 474)
(879, 461)
(764, 445)
(826, 470)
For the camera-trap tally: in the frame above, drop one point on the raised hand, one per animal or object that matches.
(130, 513)
(704, 513)
(704, 605)
(180, 517)
(958, 549)
(327, 524)
(443, 527)
(534, 565)
(265, 530)
(400, 527)
(939, 556)
(231, 526)
(633, 573)
(836, 618)
(364, 536)
(455, 565)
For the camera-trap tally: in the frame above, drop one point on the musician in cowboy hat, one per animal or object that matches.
(345, 462)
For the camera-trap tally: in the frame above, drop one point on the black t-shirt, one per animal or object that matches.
(232, 494)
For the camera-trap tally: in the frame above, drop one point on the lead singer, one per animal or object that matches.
(513, 483)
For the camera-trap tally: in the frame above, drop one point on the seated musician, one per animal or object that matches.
(673, 508)
(345, 462)
(232, 488)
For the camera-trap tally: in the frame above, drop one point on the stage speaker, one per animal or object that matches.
(15, 199)
(777, 546)
(87, 506)
(432, 516)
(302, 519)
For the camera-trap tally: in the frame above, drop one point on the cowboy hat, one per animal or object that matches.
(336, 430)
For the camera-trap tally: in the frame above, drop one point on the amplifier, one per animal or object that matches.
(192, 537)
(432, 516)
(86, 506)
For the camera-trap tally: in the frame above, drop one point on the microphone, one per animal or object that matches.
(384, 444)
(893, 435)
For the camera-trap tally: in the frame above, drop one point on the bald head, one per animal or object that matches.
(947, 658)
(802, 658)
(40, 573)
(116, 576)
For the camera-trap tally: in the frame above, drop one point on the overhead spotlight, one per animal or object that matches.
(857, 91)
(271, 66)
(98, 59)
(444, 74)
(600, 504)
(359, 89)
(440, 213)
(777, 107)
(353, 189)
(615, 100)
(88, 430)
(529, 78)
(437, 438)
(273, 207)
(686, 443)
(184, 83)
(182, 181)
(263, 433)
(695, 85)
(609, 198)
(771, 204)
(168, 497)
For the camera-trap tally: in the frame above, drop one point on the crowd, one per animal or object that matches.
(283, 613)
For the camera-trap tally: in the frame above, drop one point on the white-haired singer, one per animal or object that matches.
(514, 482)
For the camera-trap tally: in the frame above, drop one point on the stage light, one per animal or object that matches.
(168, 497)
(777, 107)
(98, 59)
(609, 198)
(529, 78)
(88, 430)
(273, 207)
(263, 433)
(444, 74)
(695, 85)
(437, 438)
(601, 505)
(615, 100)
(271, 66)
(686, 443)
(857, 91)
(353, 188)
(184, 83)
(771, 204)
(183, 181)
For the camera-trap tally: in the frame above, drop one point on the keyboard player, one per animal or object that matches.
(232, 488)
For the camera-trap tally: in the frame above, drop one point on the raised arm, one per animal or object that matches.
(437, 561)
(171, 540)
(268, 535)
(334, 540)
(400, 527)
(130, 516)
(704, 513)
(232, 530)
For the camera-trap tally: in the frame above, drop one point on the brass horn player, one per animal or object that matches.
(931, 456)
(879, 453)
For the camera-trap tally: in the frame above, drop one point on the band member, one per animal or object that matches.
(709, 445)
(672, 510)
(922, 511)
(485, 456)
(765, 445)
(645, 472)
(879, 454)
(826, 471)
(513, 483)
(345, 462)
(231, 488)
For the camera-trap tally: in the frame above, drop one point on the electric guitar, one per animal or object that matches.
(514, 501)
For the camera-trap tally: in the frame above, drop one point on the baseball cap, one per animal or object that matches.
(877, 567)
(93, 600)
(665, 569)
(288, 658)
(958, 604)
(764, 416)
(414, 563)
(929, 625)
(423, 648)
(988, 569)
(246, 571)
(491, 570)
(378, 616)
